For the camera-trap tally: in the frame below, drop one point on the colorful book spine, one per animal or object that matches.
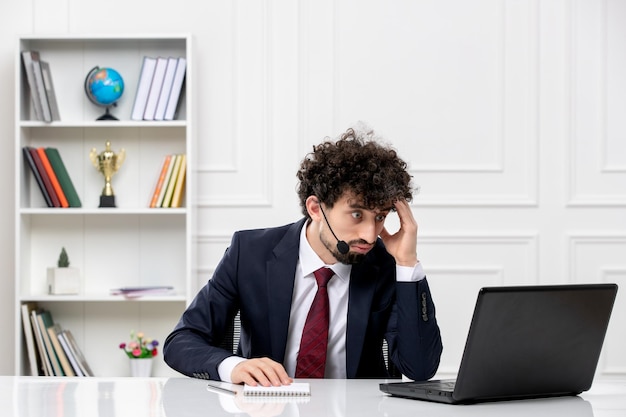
(160, 181)
(53, 178)
(71, 356)
(168, 175)
(53, 332)
(44, 177)
(63, 177)
(45, 320)
(180, 183)
(31, 163)
(172, 183)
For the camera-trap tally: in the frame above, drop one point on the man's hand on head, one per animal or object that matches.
(402, 245)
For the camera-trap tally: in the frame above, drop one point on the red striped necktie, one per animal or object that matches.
(311, 361)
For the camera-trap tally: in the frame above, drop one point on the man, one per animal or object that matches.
(377, 289)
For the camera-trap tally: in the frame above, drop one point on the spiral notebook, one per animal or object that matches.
(296, 389)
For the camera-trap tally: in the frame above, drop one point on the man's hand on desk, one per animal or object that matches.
(260, 371)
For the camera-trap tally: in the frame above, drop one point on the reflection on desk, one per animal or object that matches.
(181, 397)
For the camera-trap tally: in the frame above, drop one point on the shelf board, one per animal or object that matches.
(103, 211)
(106, 124)
(103, 298)
(91, 37)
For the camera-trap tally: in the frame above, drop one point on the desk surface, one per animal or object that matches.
(180, 397)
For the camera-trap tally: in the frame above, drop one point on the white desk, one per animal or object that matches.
(179, 397)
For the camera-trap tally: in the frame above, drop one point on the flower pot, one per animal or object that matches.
(63, 281)
(141, 367)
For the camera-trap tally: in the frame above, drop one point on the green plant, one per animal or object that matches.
(63, 261)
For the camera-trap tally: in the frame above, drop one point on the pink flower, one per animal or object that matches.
(139, 346)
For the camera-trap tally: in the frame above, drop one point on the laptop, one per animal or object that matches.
(525, 342)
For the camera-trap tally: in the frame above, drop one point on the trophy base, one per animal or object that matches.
(107, 201)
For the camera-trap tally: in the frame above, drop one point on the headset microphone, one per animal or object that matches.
(342, 246)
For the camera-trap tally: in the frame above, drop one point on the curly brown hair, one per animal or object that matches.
(355, 164)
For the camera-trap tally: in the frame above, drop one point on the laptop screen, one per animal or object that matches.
(534, 340)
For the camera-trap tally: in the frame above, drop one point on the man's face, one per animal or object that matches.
(353, 223)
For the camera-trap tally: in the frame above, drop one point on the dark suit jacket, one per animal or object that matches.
(256, 277)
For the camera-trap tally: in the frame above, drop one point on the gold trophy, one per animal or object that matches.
(107, 163)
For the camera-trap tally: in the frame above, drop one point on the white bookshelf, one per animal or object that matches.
(129, 245)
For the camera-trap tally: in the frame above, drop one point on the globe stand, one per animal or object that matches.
(107, 115)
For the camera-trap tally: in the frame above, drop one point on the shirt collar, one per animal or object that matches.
(311, 262)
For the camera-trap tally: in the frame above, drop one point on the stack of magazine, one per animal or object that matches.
(140, 291)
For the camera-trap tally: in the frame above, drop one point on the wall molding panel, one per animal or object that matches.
(597, 150)
(245, 180)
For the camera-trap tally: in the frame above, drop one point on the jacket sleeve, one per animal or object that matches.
(412, 334)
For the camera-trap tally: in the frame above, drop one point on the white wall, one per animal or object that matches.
(510, 114)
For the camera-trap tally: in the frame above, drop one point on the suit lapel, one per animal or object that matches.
(362, 287)
(280, 274)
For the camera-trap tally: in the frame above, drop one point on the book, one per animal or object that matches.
(53, 333)
(295, 389)
(27, 60)
(171, 182)
(53, 178)
(143, 87)
(166, 88)
(44, 319)
(41, 89)
(29, 337)
(155, 88)
(54, 157)
(160, 181)
(44, 177)
(50, 92)
(180, 183)
(33, 167)
(78, 354)
(70, 355)
(46, 366)
(168, 175)
(177, 86)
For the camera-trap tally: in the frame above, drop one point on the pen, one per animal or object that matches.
(220, 389)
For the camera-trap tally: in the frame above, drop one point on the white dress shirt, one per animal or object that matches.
(305, 287)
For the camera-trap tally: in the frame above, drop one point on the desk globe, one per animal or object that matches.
(104, 87)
